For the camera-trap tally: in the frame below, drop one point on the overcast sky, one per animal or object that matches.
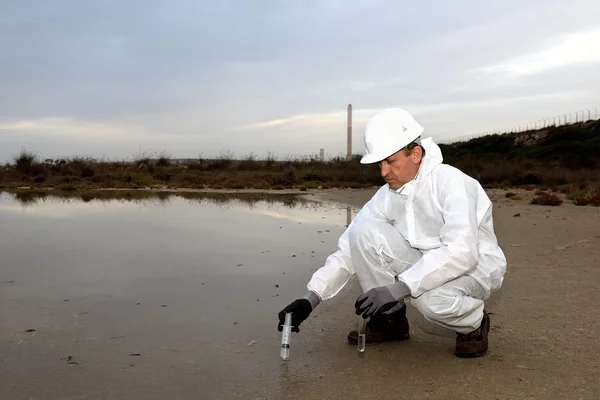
(113, 78)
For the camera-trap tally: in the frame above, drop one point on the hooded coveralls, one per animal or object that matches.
(435, 234)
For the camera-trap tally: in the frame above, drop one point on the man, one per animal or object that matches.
(426, 236)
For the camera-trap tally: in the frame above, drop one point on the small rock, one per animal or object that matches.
(293, 255)
(164, 305)
(240, 265)
(30, 330)
(69, 360)
(134, 354)
(517, 215)
(276, 286)
(66, 300)
(137, 304)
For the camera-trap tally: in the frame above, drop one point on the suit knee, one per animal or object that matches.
(437, 305)
(362, 234)
(369, 233)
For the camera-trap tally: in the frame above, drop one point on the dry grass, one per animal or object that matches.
(547, 199)
(222, 173)
(228, 171)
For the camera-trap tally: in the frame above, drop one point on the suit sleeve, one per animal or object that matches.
(331, 278)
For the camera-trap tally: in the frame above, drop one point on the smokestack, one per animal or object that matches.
(349, 152)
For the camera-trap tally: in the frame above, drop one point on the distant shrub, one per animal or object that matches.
(144, 180)
(39, 178)
(24, 161)
(581, 201)
(164, 159)
(509, 195)
(313, 176)
(526, 178)
(311, 185)
(547, 199)
(261, 185)
(87, 172)
(575, 195)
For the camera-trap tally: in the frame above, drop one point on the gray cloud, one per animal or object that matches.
(190, 77)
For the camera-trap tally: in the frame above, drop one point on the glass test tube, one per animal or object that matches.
(285, 337)
(362, 331)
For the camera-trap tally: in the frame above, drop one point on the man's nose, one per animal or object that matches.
(385, 168)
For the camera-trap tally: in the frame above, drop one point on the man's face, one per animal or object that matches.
(399, 168)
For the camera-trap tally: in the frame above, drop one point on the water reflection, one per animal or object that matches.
(224, 200)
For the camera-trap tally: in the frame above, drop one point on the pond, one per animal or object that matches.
(134, 295)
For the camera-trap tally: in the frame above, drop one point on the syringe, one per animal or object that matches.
(285, 337)
(362, 330)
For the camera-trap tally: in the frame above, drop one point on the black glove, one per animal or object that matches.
(381, 299)
(300, 310)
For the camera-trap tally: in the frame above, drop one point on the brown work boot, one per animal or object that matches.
(386, 327)
(474, 344)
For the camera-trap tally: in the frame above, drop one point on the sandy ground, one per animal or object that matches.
(543, 342)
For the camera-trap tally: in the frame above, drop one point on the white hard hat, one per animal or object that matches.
(387, 132)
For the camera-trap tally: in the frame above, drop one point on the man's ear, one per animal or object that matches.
(417, 154)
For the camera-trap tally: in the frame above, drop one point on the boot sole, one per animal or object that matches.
(471, 355)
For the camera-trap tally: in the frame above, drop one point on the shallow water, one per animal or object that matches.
(154, 297)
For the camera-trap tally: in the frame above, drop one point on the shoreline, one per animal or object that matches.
(353, 197)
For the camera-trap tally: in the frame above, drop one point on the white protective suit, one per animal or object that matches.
(435, 234)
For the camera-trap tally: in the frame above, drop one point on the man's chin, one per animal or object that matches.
(394, 185)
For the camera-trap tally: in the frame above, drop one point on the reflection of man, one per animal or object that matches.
(427, 235)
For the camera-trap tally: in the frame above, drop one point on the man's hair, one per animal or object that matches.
(408, 149)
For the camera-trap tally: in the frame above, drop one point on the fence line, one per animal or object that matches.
(533, 125)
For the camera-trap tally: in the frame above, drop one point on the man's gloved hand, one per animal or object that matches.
(300, 309)
(381, 299)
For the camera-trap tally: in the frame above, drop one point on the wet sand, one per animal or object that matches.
(204, 345)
